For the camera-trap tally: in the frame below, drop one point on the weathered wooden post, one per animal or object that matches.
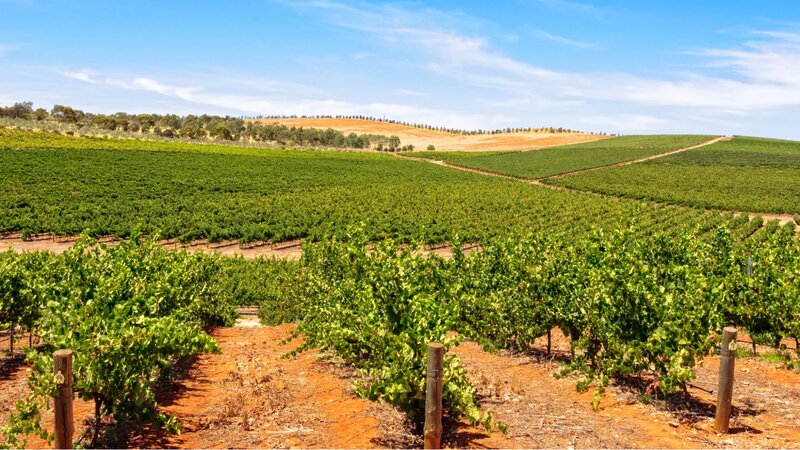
(63, 400)
(749, 265)
(727, 360)
(433, 396)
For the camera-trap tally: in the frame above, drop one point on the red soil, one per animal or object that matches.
(249, 396)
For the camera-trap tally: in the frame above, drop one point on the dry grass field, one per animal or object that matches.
(420, 138)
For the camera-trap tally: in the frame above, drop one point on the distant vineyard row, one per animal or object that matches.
(744, 174)
(70, 185)
(557, 160)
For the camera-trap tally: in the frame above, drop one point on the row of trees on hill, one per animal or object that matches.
(203, 127)
(431, 127)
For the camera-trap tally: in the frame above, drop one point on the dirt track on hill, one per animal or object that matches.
(421, 138)
(646, 158)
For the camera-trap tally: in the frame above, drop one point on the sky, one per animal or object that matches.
(629, 67)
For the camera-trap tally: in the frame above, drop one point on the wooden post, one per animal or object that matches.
(549, 339)
(11, 339)
(727, 360)
(63, 401)
(433, 396)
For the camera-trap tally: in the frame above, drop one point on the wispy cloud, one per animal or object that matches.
(573, 7)
(767, 71)
(5, 48)
(465, 68)
(410, 93)
(267, 104)
(562, 40)
(84, 75)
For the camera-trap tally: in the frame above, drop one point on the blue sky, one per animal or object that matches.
(729, 67)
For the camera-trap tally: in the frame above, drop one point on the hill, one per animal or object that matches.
(742, 174)
(420, 138)
(568, 158)
(67, 185)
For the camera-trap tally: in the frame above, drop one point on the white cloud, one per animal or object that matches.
(573, 7)
(767, 72)
(81, 75)
(5, 48)
(562, 40)
(410, 93)
(220, 97)
(483, 87)
(625, 123)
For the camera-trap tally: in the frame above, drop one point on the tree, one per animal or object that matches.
(192, 132)
(66, 114)
(393, 143)
(20, 110)
(431, 147)
(40, 114)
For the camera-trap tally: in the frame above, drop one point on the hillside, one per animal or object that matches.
(567, 158)
(742, 174)
(420, 138)
(189, 191)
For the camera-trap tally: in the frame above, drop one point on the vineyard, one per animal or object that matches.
(630, 306)
(745, 174)
(623, 292)
(70, 185)
(568, 158)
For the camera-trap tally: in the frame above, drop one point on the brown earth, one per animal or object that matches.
(420, 138)
(246, 396)
(250, 396)
(543, 411)
(289, 250)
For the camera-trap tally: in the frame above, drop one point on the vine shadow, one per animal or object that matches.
(169, 388)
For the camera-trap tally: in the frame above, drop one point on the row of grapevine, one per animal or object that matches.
(716, 176)
(127, 312)
(631, 304)
(111, 187)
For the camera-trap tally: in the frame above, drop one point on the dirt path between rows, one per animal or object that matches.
(781, 218)
(544, 411)
(246, 396)
(249, 395)
(289, 250)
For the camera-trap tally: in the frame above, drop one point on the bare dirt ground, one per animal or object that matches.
(421, 138)
(543, 411)
(783, 219)
(288, 250)
(250, 396)
(246, 396)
